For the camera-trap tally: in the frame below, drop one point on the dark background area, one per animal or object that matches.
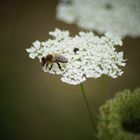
(38, 106)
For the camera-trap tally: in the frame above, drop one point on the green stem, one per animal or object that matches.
(104, 88)
(89, 110)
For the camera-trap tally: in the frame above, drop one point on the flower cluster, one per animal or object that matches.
(120, 117)
(121, 17)
(88, 55)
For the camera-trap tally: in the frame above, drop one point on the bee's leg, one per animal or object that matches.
(47, 65)
(51, 66)
(59, 66)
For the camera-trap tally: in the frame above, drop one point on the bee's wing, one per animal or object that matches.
(61, 58)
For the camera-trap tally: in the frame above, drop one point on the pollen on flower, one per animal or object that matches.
(88, 55)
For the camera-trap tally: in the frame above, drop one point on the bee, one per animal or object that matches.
(53, 58)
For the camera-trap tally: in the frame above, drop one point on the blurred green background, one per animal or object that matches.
(38, 106)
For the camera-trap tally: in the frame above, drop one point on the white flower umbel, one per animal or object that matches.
(121, 17)
(88, 55)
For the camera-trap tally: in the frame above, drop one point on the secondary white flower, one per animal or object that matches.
(121, 17)
(88, 55)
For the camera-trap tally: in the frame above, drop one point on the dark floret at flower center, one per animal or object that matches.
(75, 50)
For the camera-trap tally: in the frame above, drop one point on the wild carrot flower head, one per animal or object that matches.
(121, 17)
(87, 55)
(120, 117)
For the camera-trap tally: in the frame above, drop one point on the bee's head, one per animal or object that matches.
(47, 59)
(43, 59)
